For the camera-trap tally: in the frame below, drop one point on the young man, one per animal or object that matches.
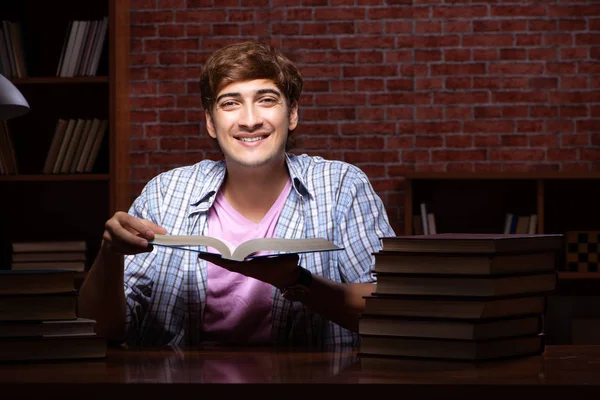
(162, 296)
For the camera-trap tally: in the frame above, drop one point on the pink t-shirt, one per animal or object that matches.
(238, 308)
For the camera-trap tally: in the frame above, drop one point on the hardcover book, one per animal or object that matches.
(250, 248)
(474, 243)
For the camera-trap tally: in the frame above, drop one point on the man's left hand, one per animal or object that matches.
(279, 270)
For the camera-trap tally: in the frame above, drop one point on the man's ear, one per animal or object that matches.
(293, 118)
(210, 127)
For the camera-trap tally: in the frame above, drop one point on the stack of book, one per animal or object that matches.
(38, 318)
(460, 296)
(64, 255)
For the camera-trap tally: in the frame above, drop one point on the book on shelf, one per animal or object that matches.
(474, 243)
(250, 248)
(55, 144)
(465, 285)
(87, 142)
(52, 347)
(5, 66)
(522, 224)
(7, 151)
(97, 140)
(62, 150)
(37, 307)
(88, 129)
(445, 328)
(424, 220)
(13, 64)
(36, 281)
(462, 307)
(451, 349)
(417, 225)
(508, 223)
(40, 328)
(82, 47)
(468, 264)
(431, 226)
(80, 126)
(533, 221)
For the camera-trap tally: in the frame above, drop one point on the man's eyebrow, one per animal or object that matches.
(260, 91)
(233, 94)
(272, 91)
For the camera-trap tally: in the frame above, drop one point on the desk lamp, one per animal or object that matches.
(12, 102)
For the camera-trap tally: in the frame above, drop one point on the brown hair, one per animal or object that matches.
(248, 61)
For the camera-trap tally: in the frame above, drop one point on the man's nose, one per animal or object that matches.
(250, 117)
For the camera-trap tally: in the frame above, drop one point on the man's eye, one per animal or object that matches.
(268, 100)
(228, 104)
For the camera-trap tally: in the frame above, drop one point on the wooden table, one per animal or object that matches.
(563, 371)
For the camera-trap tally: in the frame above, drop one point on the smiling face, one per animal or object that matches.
(250, 121)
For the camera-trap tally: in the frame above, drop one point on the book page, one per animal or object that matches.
(284, 245)
(247, 248)
(192, 240)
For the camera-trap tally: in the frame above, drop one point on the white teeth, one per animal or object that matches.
(252, 139)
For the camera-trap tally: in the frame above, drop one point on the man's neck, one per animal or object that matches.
(252, 191)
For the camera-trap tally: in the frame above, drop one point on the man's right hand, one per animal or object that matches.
(125, 234)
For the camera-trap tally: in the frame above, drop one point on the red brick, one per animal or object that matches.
(341, 114)
(458, 155)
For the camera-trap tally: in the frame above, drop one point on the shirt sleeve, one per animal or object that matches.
(363, 221)
(139, 270)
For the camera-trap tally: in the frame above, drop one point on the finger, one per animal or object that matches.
(118, 236)
(154, 228)
(141, 226)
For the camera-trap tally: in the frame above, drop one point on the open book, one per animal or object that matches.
(246, 249)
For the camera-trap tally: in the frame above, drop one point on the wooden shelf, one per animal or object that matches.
(67, 206)
(61, 81)
(52, 178)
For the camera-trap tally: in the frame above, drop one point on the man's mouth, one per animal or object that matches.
(251, 139)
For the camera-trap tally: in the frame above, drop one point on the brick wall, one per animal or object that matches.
(390, 86)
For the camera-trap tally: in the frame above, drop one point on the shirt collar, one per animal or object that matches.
(294, 165)
(204, 195)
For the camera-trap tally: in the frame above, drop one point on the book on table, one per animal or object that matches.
(467, 264)
(451, 349)
(38, 318)
(465, 285)
(52, 347)
(34, 306)
(455, 307)
(49, 256)
(49, 246)
(251, 248)
(474, 243)
(41, 328)
(36, 281)
(445, 328)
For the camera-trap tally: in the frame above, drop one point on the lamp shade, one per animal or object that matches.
(12, 102)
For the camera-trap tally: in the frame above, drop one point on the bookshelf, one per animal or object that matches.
(66, 206)
(563, 201)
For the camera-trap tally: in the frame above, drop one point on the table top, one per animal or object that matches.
(559, 366)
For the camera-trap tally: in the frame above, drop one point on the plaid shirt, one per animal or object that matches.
(166, 289)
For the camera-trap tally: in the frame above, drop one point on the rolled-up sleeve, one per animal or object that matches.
(362, 222)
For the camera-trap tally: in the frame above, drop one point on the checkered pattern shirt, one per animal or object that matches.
(166, 289)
